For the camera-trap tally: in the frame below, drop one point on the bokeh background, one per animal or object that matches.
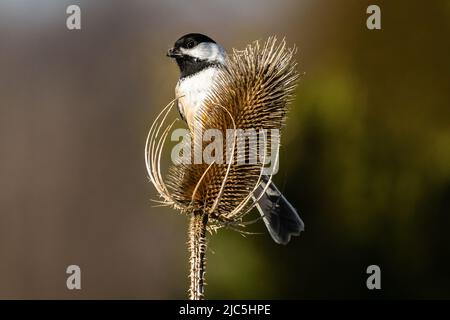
(365, 157)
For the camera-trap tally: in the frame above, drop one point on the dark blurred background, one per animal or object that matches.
(365, 157)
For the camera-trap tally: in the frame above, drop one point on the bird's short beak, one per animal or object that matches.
(173, 53)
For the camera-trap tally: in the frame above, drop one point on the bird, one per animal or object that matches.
(201, 60)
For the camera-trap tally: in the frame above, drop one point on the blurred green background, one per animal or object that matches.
(365, 156)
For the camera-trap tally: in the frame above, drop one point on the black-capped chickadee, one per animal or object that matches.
(200, 60)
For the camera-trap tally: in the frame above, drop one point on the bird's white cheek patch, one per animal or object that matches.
(206, 51)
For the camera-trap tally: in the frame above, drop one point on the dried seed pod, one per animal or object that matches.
(252, 93)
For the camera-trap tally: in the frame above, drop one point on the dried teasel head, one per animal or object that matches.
(252, 92)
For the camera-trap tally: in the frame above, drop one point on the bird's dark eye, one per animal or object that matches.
(190, 44)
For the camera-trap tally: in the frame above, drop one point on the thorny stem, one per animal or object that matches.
(197, 249)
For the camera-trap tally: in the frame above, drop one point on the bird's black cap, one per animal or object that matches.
(191, 40)
(188, 41)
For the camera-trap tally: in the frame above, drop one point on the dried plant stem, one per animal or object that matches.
(197, 249)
